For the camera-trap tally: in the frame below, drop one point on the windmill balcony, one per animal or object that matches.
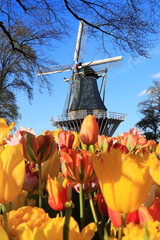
(82, 114)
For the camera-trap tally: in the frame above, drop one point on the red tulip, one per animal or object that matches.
(102, 205)
(116, 217)
(152, 213)
(89, 130)
(66, 139)
(155, 209)
(144, 215)
(31, 179)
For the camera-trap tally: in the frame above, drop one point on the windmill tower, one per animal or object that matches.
(83, 97)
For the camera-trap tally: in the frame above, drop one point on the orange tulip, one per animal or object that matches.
(89, 130)
(77, 166)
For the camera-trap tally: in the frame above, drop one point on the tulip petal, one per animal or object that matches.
(124, 179)
(3, 234)
(12, 171)
(88, 232)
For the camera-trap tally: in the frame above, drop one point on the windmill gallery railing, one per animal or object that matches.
(81, 115)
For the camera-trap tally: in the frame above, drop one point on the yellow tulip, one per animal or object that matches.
(26, 233)
(33, 216)
(155, 170)
(54, 227)
(12, 171)
(76, 142)
(5, 129)
(3, 234)
(19, 201)
(51, 167)
(29, 223)
(140, 232)
(124, 179)
(55, 134)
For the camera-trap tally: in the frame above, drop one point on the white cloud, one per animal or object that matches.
(142, 93)
(157, 75)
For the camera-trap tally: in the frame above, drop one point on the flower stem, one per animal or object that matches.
(68, 213)
(81, 204)
(5, 219)
(123, 215)
(61, 213)
(95, 216)
(10, 206)
(40, 185)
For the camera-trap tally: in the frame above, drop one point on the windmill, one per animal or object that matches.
(83, 96)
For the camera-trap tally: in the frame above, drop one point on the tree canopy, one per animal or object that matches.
(129, 23)
(27, 27)
(150, 109)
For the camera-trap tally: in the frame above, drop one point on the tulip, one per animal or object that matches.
(38, 148)
(33, 223)
(16, 138)
(12, 171)
(76, 166)
(135, 141)
(154, 210)
(144, 215)
(18, 202)
(116, 217)
(124, 179)
(137, 231)
(152, 213)
(31, 180)
(89, 186)
(55, 134)
(51, 167)
(34, 217)
(3, 234)
(102, 205)
(54, 227)
(57, 190)
(89, 130)
(5, 130)
(76, 142)
(27, 233)
(66, 139)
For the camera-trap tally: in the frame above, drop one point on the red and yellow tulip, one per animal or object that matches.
(59, 193)
(77, 166)
(38, 148)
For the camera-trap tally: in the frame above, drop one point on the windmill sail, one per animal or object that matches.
(83, 97)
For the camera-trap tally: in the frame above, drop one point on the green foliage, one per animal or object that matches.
(8, 107)
(150, 109)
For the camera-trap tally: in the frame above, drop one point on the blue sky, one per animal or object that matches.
(125, 86)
